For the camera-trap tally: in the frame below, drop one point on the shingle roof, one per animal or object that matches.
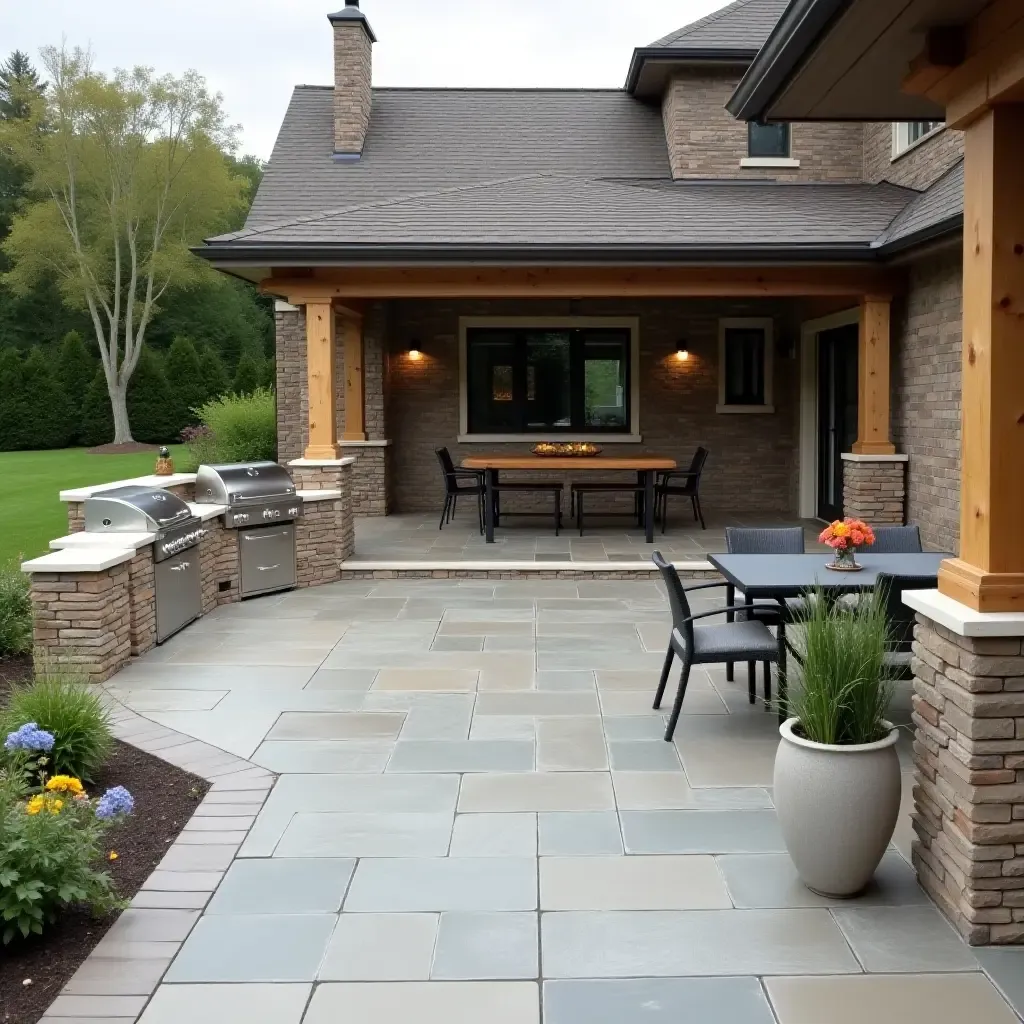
(576, 215)
(940, 207)
(743, 25)
(424, 139)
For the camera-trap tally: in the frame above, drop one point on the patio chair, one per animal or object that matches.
(452, 487)
(688, 487)
(578, 490)
(892, 540)
(788, 540)
(901, 619)
(747, 640)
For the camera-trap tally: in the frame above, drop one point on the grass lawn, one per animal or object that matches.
(31, 512)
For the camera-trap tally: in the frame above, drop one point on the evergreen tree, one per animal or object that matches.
(19, 85)
(52, 423)
(270, 373)
(185, 379)
(14, 412)
(76, 367)
(212, 373)
(96, 425)
(151, 402)
(248, 375)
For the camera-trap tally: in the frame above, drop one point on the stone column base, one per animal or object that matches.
(371, 476)
(874, 488)
(218, 558)
(969, 758)
(325, 535)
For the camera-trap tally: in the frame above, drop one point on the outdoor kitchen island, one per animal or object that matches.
(95, 595)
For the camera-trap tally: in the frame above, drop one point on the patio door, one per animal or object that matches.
(837, 413)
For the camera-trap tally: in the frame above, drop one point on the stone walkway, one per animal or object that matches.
(474, 798)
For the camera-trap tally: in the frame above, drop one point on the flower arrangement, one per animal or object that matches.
(577, 448)
(51, 837)
(845, 537)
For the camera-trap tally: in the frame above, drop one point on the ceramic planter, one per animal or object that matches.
(838, 807)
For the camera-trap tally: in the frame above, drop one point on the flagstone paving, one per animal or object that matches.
(477, 819)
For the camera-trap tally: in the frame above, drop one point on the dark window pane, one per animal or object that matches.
(767, 140)
(605, 366)
(548, 395)
(490, 376)
(744, 366)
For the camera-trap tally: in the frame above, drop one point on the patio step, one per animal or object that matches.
(357, 568)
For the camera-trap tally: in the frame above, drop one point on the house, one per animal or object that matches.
(635, 266)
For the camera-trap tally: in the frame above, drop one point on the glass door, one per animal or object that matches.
(837, 413)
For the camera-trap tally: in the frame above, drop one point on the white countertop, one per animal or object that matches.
(110, 541)
(206, 512)
(85, 558)
(162, 482)
(324, 495)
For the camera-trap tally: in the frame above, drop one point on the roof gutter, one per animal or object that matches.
(941, 229)
(682, 55)
(799, 28)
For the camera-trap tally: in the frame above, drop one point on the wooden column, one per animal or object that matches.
(355, 395)
(989, 574)
(322, 441)
(873, 387)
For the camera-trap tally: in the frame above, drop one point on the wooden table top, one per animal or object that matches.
(582, 463)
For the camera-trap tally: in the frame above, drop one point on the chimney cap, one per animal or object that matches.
(352, 15)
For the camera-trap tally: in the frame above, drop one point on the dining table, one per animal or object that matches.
(647, 466)
(778, 577)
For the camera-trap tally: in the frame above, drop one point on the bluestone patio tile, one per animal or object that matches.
(89, 1007)
(283, 886)
(100, 976)
(251, 947)
(181, 857)
(693, 942)
(323, 756)
(570, 744)
(444, 883)
(537, 791)
(904, 939)
(657, 1001)
(381, 947)
(375, 725)
(579, 834)
(644, 756)
(1006, 969)
(227, 1004)
(537, 703)
(151, 899)
(486, 947)
(701, 832)
(362, 834)
(136, 925)
(572, 680)
(437, 680)
(342, 679)
(462, 756)
(495, 835)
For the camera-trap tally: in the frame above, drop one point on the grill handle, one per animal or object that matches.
(267, 568)
(180, 567)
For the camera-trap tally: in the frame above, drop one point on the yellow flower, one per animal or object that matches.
(840, 529)
(65, 784)
(55, 806)
(35, 805)
(113, 855)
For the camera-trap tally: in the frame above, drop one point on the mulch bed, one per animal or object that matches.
(165, 798)
(122, 449)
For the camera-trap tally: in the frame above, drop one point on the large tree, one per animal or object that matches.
(125, 173)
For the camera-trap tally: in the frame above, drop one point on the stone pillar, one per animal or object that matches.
(325, 535)
(218, 559)
(874, 488)
(969, 756)
(142, 601)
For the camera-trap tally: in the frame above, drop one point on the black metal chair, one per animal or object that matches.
(901, 619)
(748, 640)
(688, 488)
(453, 489)
(578, 490)
(893, 540)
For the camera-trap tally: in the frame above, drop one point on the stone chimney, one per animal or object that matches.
(353, 56)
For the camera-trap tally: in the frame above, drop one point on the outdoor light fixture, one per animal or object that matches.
(682, 353)
(414, 350)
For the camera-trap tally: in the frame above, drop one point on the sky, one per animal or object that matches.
(255, 51)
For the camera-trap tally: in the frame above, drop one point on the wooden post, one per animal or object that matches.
(355, 395)
(873, 379)
(322, 441)
(989, 574)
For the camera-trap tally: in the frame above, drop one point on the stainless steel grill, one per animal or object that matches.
(178, 532)
(262, 506)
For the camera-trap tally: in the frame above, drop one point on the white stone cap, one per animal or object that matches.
(110, 541)
(324, 495)
(313, 463)
(854, 457)
(962, 620)
(161, 482)
(89, 558)
(427, 565)
(365, 444)
(206, 512)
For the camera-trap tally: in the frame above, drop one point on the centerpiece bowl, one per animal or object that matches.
(564, 448)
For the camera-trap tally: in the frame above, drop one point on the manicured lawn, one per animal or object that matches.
(31, 512)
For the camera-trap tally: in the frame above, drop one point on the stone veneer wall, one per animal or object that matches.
(926, 395)
(325, 535)
(705, 141)
(969, 792)
(874, 491)
(142, 600)
(371, 479)
(753, 465)
(292, 393)
(914, 168)
(218, 556)
(82, 621)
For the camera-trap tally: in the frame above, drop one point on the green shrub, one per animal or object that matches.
(76, 367)
(249, 375)
(214, 376)
(53, 421)
(845, 686)
(151, 403)
(97, 421)
(72, 712)
(185, 379)
(239, 428)
(15, 415)
(15, 612)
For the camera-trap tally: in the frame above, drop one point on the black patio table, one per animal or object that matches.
(777, 577)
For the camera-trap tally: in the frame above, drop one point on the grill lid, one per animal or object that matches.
(134, 509)
(242, 483)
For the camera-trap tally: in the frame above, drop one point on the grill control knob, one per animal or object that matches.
(293, 511)
(271, 513)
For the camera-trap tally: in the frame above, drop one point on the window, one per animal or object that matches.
(908, 133)
(547, 380)
(745, 365)
(767, 140)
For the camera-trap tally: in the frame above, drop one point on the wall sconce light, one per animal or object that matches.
(415, 353)
(682, 353)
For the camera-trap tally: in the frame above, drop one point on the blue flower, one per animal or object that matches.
(29, 737)
(114, 803)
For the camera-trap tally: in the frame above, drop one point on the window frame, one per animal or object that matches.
(751, 125)
(630, 324)
(766, 324)
(901, 141)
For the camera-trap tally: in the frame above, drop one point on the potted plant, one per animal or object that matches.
(845, 537)
(837, 776)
